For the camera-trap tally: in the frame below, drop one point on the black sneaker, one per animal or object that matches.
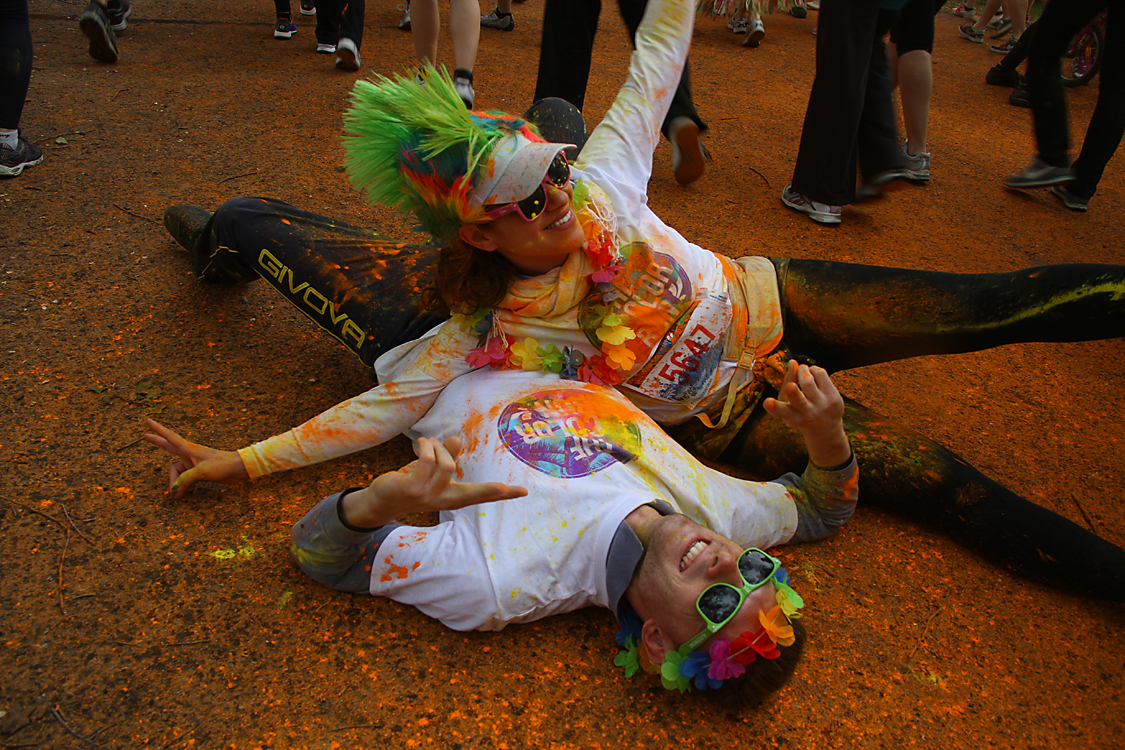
(308, 7)
(998, 75)
(1071, 200)
(1019, 96)
(118, 12)
(186, 223)
(96, 26)
(1039, 174)
(1006, 47)
(13, 160)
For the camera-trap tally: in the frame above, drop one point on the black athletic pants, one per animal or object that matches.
(15, 61)
(567, 45)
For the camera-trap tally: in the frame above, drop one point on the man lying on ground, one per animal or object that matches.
(616, 515)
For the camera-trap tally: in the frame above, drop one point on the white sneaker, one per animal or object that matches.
(404, 24)
(688, 155)
(326, 49)
(347, 54)
(756, 35)
(465, 90)
(496, 21)
(821, 213)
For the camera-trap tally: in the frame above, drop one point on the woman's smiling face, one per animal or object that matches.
(537, 246)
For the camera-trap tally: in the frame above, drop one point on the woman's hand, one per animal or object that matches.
(422, 485)
(197, 463)
(808, 401)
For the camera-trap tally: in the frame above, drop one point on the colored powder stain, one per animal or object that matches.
(284, 599)
(396, 571)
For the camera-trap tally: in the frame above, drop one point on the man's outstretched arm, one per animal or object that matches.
(422, 485)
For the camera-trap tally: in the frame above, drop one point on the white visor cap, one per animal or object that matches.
(514, 169)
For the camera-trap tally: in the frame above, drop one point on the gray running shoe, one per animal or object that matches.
(880, 183)
(96, 26)
(1006, 47)
(1069, 199)
(498, 20)
(119, 12)
(917, 165)
(13, 160)
(1039, 174)
(968, 32)
(404, 24)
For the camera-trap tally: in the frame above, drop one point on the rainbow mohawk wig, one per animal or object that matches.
(413, 146)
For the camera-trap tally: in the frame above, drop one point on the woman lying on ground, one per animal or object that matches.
(544, 267)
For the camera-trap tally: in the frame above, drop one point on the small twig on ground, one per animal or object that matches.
(81, 596)
(924, 632)
(377, 725)
(767, 180)
(62, 559)
(30, 187)
(119, 91)
(128, 445)
(29, 509)
(1083, 512)
(237, 176)
(133, 213)
(59, 718)
(182, 737)
(125, 643)
(188, 643)
(67, 514)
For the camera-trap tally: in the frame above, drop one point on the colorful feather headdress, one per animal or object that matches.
(412, 145)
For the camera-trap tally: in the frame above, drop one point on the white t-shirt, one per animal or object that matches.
(588, 458)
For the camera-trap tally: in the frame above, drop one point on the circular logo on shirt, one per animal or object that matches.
(651, 291)
(569, 433)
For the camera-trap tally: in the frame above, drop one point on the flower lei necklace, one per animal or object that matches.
(599, 227)
(724, 659)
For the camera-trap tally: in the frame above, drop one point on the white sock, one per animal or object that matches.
(10, 139)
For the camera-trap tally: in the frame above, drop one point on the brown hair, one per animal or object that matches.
(763, 678)
(468, 278)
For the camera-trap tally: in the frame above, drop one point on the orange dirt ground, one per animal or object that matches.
(141, 621)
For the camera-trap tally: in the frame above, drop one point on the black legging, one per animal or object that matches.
(842, 315)
(15, 61)
(566, 47)
(364, 289)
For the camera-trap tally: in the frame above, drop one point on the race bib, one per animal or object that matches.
(686, 371)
